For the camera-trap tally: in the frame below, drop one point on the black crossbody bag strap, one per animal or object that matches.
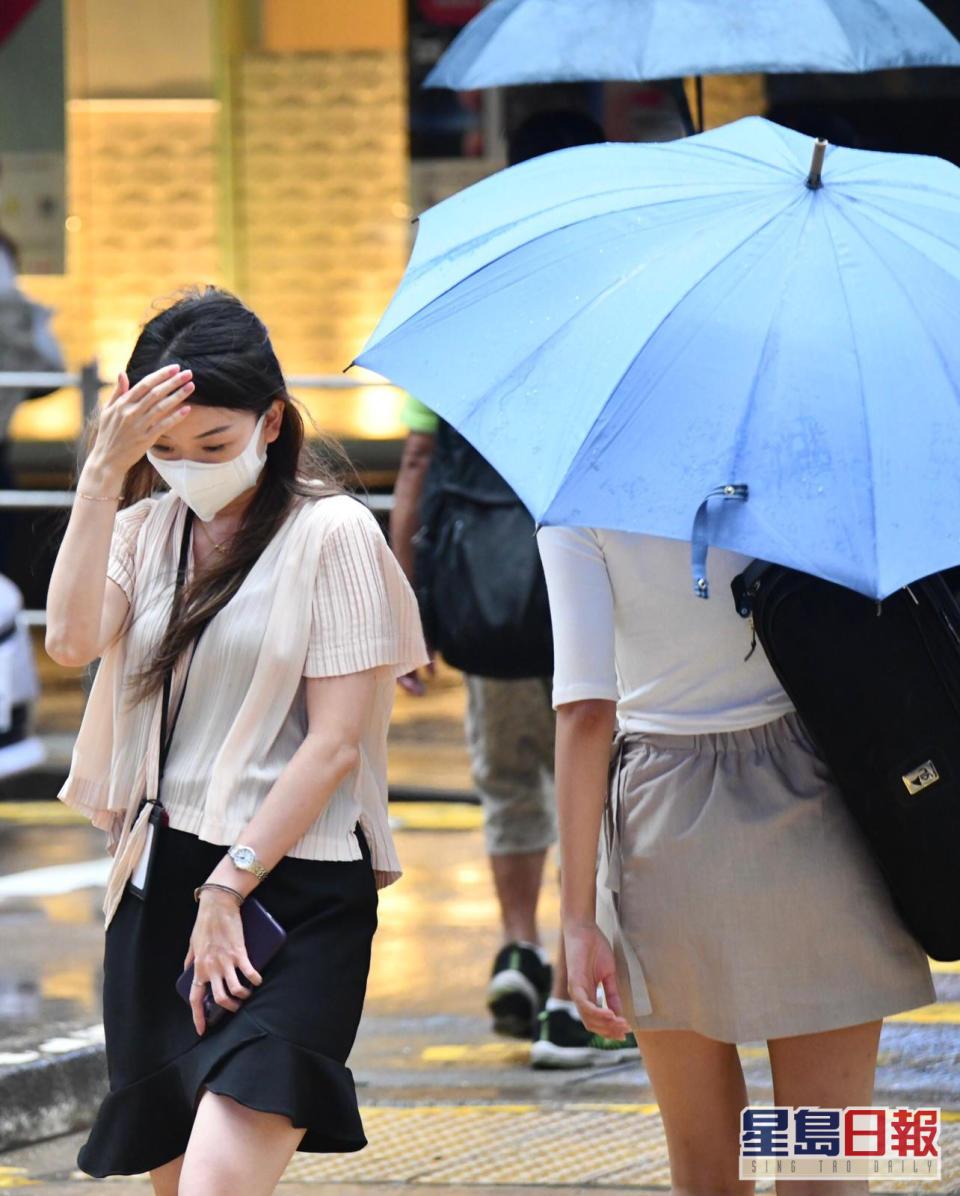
(139, 881)
(168, 726)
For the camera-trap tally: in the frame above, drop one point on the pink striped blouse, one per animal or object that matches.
(326, 598)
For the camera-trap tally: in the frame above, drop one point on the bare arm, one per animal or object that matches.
(405, 516)
(336, 711)
(584, 733)
(405, 521)
(85, 611)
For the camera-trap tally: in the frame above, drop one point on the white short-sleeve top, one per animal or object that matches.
(627, 627)
(325, 598)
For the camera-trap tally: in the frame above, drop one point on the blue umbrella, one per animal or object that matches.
(623, 329)
(538, 41)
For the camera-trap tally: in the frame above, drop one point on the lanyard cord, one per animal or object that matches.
(166, 731)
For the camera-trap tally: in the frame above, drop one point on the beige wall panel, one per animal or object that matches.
(322, 213)
(728, 97)
(333, 24)
(142, 203)
(123, 48)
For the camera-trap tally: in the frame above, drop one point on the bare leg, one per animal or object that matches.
(235, 1149)
(833, 1069)
(516, 879)
(166, 1179)
(560, 987)
(699, 1085)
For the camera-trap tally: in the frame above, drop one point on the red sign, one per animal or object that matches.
(449, 12)
(12, 13)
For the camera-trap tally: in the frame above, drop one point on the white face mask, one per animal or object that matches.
(208, 486)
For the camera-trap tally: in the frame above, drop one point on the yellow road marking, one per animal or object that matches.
(435, 816)
(40, 813)
(419, 815)
(487, 1052)
(943, 1011)
(645, 1110)
(15, 1177)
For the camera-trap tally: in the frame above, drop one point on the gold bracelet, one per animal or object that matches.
(98, 497)
(223, 888)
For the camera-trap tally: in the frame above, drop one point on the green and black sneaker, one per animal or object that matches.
(518, 989)
(566, 1042)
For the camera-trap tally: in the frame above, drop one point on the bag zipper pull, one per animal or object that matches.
(753, 640)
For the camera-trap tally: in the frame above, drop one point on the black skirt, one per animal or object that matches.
(283, 1052)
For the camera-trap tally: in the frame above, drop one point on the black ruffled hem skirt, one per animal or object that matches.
(284, 1052)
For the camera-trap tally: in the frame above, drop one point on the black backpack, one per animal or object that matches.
(877, 684)
(479, 581)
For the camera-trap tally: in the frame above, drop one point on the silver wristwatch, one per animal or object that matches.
(245, 858)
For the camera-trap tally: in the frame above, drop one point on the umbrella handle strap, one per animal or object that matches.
(698, 539)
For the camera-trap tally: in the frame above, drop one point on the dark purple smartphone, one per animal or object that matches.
(263, 935)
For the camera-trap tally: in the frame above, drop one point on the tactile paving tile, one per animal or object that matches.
(596, 1146)
(576, 1145)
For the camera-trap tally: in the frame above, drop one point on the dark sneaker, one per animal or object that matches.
(518, 990)
(566, 1042)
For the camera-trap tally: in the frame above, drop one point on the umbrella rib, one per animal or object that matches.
(774, 312)
(853, 64)
(660, 323)
(864, 406)
(459, 281)
(868, 207)
(737, 187)
(737, 190)
(495, 34)
(899, 284)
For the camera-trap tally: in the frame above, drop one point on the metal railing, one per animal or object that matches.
(89, 383)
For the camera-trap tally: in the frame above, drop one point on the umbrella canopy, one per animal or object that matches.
(620, 329)
(556, 41)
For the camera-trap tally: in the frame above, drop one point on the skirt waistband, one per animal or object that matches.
(749, 739)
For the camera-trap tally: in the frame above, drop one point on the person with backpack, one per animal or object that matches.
(736, 900)
(467, 543)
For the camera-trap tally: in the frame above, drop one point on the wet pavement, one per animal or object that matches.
(446, 1104)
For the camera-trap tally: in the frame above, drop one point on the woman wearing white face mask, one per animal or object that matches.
(251, 623)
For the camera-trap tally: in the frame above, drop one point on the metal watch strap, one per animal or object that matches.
(251, 865)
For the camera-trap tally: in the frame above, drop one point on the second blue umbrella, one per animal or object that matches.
(553, 41)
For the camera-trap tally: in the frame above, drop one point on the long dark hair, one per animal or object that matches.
(212, 333)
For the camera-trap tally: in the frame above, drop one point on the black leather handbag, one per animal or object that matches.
(479, 581)
(877, 684)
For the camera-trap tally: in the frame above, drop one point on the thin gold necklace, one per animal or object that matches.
(212, 542)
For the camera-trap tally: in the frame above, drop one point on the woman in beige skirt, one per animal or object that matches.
(735, 900)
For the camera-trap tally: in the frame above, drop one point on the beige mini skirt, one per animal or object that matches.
(738, 895)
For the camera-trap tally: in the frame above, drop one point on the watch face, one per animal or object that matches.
(242, 856)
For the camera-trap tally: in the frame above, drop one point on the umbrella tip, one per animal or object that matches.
(814, 181)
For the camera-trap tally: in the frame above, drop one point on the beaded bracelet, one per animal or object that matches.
(223, 889)
(98, 497)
